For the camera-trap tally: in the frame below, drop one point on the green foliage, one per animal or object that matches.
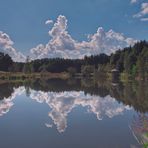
(134, 70)
(5, 62)
(28, 68)
(131, 60)
(145, 145)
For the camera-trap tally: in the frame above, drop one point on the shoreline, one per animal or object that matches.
(23, 76)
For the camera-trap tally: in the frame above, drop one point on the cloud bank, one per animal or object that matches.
(6, 46)
(62, 45)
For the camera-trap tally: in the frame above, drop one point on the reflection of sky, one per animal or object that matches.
(61, 105)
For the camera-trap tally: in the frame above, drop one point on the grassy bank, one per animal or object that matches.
(23, 76)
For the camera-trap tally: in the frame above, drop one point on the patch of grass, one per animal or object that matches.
(7, 76)
(145, 145)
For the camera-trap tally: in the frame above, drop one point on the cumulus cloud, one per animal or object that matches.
(5, 40)
(6, 46)
(143, 12)
(63, 45)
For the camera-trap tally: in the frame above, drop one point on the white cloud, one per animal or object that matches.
(48, 22)
(134, 1)
(143, 12)
(5, 40)
(144, 8)
(63, 45)
(6, 46)
(144, 19)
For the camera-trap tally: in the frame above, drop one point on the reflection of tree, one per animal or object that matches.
(132, 94)
(117, 91)
(139, 128)
(5, 90)
(135, 95)
(7, 102)
(63, 95)
(28, 84)
(27, 91)
(87, 82)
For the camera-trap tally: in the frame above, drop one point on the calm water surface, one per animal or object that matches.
(73, 114)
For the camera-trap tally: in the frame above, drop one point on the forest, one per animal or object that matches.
(132, 61)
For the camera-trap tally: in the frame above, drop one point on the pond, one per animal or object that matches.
(73, 114)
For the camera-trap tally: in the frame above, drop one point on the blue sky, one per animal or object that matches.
(24, 20)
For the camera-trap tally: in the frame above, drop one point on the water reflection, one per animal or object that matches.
(7, 102)
(132, 94)
(61, 104)
(99, 98)
(139, 128)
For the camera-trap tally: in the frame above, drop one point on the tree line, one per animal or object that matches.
(130, 60)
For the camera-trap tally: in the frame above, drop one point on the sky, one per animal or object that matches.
(70, 28)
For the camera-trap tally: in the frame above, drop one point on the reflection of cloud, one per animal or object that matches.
(61, 105)
(5, 107)
(7, 103)
(48, 125)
